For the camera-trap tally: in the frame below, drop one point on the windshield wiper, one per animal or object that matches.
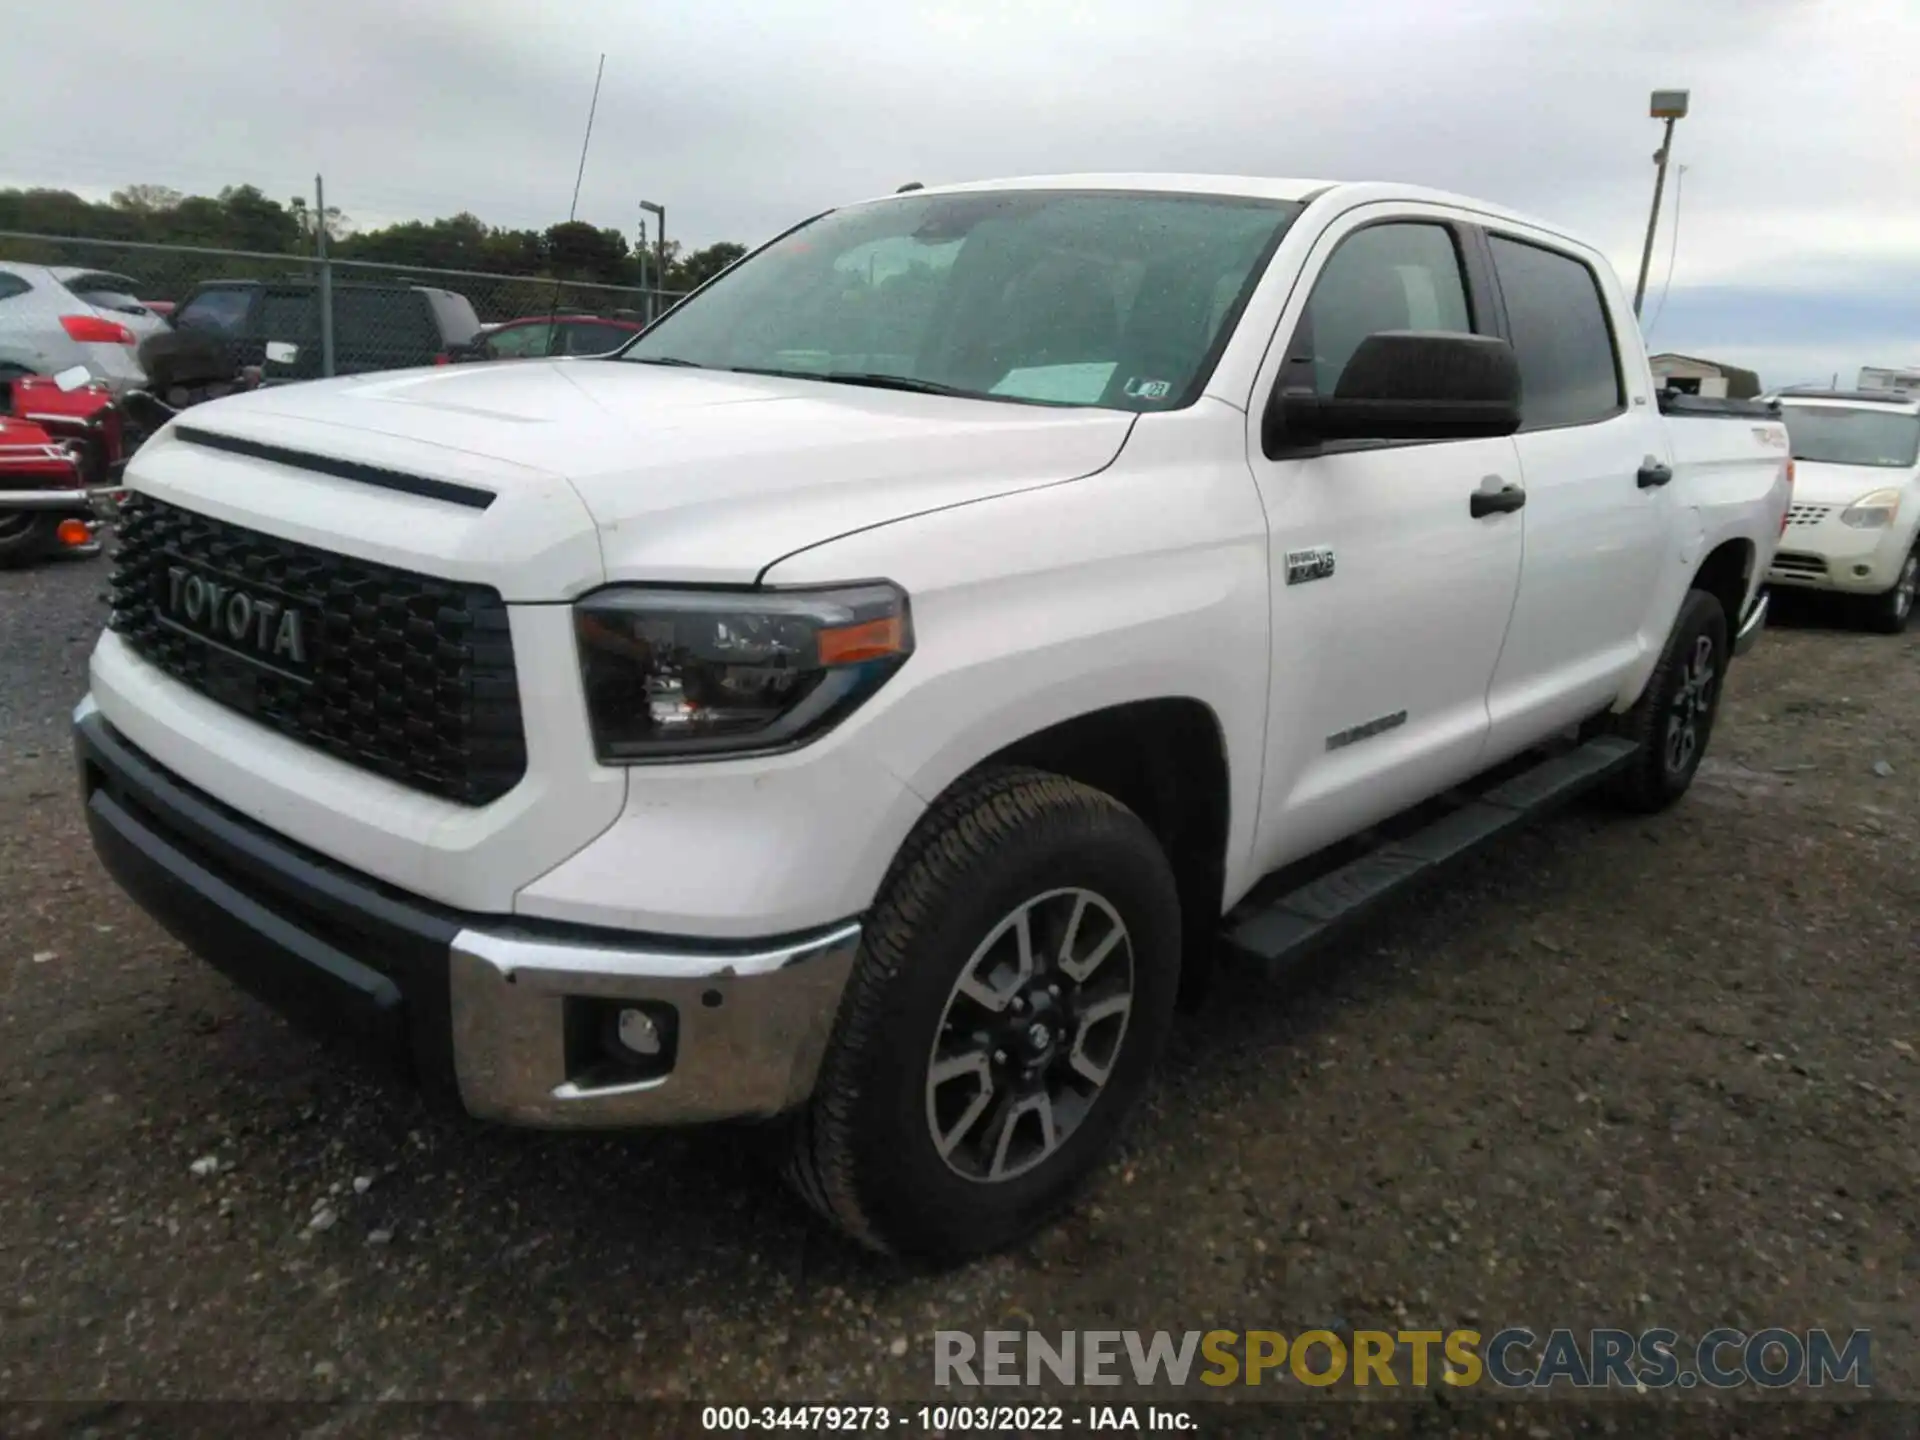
(877, 380)
(663, 360)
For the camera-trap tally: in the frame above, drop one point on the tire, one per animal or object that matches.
(1672, 721)
(25, 536)
(1888, 612)
(944, 1170)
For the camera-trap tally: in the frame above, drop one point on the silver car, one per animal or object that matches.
(55, 317)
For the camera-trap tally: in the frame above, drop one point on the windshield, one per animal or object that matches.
(1841, 436)
(1052, 297)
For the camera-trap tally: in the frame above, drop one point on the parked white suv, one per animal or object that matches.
(1854, 528)
(55, 318)
(868, 699)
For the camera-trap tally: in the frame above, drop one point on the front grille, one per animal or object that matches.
(1806, 566)
(404, 675)
(1808, 514)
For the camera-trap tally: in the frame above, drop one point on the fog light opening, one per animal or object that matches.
(1863, 570)
(619, 1042)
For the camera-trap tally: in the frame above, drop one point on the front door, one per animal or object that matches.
(1390, 596)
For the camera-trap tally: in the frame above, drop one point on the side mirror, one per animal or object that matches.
(279, 352)
(1406, 385)
(73, 378)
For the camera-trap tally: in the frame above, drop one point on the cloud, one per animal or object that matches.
(741, 116)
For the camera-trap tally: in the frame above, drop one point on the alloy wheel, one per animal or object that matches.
(1032, 1029)
(1691, 710)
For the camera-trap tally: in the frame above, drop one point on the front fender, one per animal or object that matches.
(1036, 608)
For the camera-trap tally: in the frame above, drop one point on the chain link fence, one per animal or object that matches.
(345, 317)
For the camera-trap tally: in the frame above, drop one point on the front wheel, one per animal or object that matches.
(25, 536)
(1889, 611)
(1014, 988)
(1673, 719)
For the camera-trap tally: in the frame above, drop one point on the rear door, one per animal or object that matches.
(1389, 596)
(1598, 539)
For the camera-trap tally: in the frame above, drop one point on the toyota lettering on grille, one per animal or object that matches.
(257, 626)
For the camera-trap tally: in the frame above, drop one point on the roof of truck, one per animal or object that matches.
(1259, 187)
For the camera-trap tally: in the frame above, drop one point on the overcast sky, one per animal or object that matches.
(1799, 210)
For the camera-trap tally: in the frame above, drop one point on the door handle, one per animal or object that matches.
(1653, 474)
(1491, 501)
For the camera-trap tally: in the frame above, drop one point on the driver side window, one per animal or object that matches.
(1396, 276)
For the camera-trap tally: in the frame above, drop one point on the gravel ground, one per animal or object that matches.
(1623, 1073)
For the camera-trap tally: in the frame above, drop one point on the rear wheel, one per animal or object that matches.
(1673, 719)
(1015, 985)
(1890, 611)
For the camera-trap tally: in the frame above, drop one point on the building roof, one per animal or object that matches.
(1741, 384)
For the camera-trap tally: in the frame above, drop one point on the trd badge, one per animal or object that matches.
(1305, 565)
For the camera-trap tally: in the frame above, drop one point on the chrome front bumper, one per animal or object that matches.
(524, 1022)
(748, 1030)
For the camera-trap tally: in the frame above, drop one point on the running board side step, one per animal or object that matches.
(1287, 929)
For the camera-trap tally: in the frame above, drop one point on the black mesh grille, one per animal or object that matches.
(405, 675)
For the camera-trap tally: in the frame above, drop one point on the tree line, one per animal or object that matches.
(242, 217)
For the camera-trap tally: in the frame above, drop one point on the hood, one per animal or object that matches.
(689, 475)
(1815, 482)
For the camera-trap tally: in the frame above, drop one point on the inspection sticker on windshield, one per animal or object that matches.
(1142, 389)
(1078, 384)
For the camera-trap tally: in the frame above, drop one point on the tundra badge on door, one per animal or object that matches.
(1305, 565)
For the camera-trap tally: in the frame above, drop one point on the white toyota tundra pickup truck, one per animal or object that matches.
(871, 701)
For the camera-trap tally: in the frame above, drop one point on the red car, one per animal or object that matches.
(539, 335)
(57, 450)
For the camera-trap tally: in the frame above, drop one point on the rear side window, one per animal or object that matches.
(105, 291)
(1400, 276)
(118, 301)
(12, 285)
(221, 310)
(1569, 372)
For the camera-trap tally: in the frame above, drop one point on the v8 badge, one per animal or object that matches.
(1305, 565)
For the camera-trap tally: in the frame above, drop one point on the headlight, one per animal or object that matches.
(1873, 511)
(683, 673)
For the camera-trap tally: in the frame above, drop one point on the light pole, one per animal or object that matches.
(659, 213)
(1668, 105)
